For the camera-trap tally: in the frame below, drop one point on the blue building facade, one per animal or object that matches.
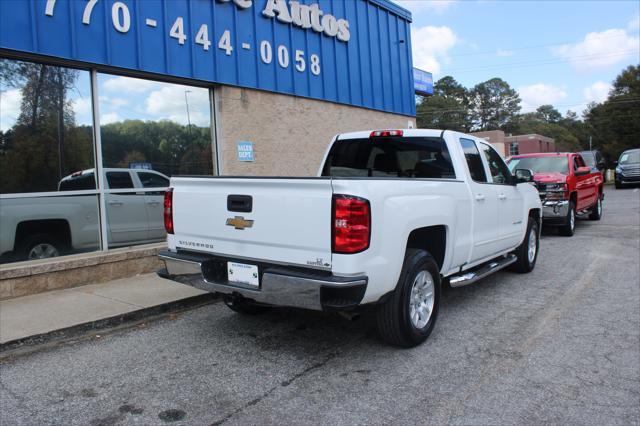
(354, 52)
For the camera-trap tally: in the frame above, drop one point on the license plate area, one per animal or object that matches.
(243, 273)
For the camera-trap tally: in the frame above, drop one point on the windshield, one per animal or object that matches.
(390, 157)
(549, 164)
(630, 157)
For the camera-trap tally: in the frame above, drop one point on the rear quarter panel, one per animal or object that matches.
(399, 206)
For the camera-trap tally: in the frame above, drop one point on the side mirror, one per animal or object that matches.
(523, 175)
(583, 171)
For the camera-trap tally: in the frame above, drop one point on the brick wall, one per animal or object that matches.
(289, 134)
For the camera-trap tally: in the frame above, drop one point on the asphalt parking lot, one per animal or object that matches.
(559, 345)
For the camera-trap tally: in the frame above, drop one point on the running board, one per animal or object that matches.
(482, 271)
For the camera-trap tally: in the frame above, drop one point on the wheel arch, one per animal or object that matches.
(536, 214)
(573, 196)
(433, 239)
(59, 228)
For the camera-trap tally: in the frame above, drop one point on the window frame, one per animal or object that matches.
(482, 160)
(102, 189)
(510, 180)
(328, 161)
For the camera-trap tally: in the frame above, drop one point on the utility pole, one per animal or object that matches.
(186, 101)
(589, 142)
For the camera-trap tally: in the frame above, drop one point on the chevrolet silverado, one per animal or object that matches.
(391, 217)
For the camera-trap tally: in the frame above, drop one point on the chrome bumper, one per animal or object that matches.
(278, 286)
(555, 209)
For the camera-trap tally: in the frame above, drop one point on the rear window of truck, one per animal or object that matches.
(390, 157)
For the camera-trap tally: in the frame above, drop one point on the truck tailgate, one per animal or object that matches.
(291, 218)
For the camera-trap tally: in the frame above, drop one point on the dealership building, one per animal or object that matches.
(102, 101)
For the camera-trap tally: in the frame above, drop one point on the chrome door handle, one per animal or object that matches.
(115, 203)
(153, 203)
(480, 197)
(502, 197)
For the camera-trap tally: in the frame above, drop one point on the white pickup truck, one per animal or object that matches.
(42, 227)
(391, 215)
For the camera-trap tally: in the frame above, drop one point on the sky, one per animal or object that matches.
(564, 53)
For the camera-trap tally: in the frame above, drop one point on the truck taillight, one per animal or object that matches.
(385, 133)
(351, 227)
(168, 210)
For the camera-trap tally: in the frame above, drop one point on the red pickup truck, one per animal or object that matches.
(566, 185)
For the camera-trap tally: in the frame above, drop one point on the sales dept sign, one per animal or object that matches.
(245, 151)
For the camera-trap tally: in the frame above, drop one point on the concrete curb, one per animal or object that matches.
(79, 331)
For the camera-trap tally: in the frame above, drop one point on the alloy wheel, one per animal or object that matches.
(422, 299)
(43, 251)
(533, 245)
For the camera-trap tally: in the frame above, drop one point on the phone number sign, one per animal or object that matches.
(313, 48)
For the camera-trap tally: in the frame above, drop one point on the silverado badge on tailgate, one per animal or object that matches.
(239, 222)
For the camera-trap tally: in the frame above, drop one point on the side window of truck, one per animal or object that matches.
(500, 173)
(474, 161)
(152, 180)
(119, 180)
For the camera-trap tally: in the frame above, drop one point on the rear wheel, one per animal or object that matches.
(596, 212)
(527, 252)
(569, 227)
(39, 246)
(409, 314)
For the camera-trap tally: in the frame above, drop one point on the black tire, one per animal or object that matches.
(47, 244)
(596, 212)
(524, 264)
(569, 228)
(618, 185)
(244, 306)
(393, 315)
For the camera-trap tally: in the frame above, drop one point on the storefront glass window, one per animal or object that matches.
(49, 190)
(150, 131)
(45, 125)
(46, 147)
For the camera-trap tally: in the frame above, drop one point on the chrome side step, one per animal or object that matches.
(470, 277)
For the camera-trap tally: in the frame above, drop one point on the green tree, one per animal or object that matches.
(494, 104)
(448, 108)
(577, 128)
(548, 114)
(615, 123)
(43, 145)
(448, 87)
(438, 112)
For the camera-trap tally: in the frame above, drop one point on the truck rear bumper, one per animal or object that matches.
(555, 212)
(280, 286)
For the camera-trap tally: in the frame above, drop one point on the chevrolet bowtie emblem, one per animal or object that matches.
(239, 222)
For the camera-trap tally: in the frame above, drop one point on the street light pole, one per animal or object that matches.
(186, 101)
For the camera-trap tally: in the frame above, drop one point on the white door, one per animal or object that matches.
(485, 204)
(511, 223)
(126, 211)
